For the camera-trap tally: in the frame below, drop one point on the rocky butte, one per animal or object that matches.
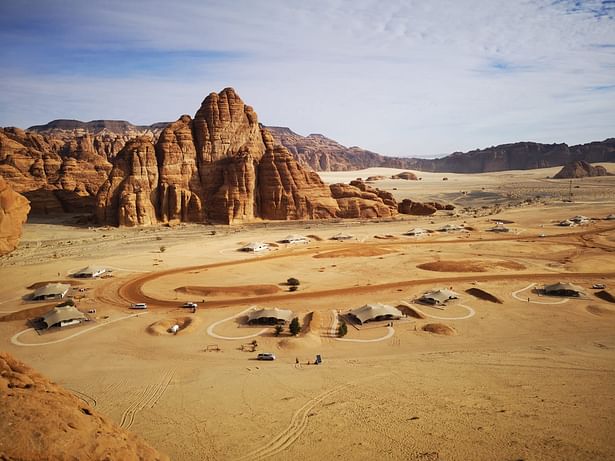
(14, 210)
(222, 166)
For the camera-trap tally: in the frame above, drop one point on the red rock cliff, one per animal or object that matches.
(14, 210)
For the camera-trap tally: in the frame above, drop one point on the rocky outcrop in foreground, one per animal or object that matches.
(222, 166)
(581, 169)
(14, 210)
(40, 420)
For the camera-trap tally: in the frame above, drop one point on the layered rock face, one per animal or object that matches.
(43, 421)
(581, 169)
(358, 200)
(54, 175)
(14, 210)
(221, 166)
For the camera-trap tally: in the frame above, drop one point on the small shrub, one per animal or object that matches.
(294, 327)
(163, 249)
(293, 288)
(342, 330)
(293, 282)
(278, 330)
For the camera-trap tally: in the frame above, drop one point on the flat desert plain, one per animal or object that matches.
(502, 373)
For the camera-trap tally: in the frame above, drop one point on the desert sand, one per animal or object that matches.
(529, 378)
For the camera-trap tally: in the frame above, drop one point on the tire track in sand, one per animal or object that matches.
(148, 397)
(298, 423)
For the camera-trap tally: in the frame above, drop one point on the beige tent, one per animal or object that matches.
(342, 236)
(439, 297)
(294, 238)
(270, 316)
(416, 231)
(51, 291)
(375, 312)
(90, 272)
(62, 316)
(563, 289)
(255, 246)
(451, 228)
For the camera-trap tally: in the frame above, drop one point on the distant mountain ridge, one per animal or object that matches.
(121, 127)
(323, 154)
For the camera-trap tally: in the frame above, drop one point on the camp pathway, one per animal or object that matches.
(471, 312)
(15, 339)
(210, 329)
(515, 293)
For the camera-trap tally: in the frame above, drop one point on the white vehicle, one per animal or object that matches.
(191, 305)
(598, 286)
(266, 356)
(139, 306)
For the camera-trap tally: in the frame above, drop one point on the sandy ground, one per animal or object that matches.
(518, 380)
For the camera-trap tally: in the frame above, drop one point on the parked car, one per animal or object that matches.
(139, 306)
(190, 305)
(598, 286)
(265, 356)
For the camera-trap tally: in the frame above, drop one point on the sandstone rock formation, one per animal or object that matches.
(40, 420)
(407, 206)
(580, 169)
(221, 166)
(54, 175)
(14, 210)
(358, 200)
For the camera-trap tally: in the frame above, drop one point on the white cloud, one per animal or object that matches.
(398, 77)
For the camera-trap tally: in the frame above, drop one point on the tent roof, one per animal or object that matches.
(371, 311)
(450, 227)
(294, 237)
(91, 270)
(51, 289)
(563, 286)
(280, 314)
(341, 236)
(64, 313)
(440, 295)
(415, 231)
(253, 245)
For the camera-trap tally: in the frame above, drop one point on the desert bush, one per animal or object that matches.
(163, 249)
(278, 330)
(292, 281)
(294, 327)
(342, 330)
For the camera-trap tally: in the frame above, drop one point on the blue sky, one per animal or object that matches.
(401, 77)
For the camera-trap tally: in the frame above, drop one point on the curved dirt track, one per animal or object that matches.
(132, 291)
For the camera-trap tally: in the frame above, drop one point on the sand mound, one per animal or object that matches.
(599, 310)
(315, 237)
(605, 296)
(484, 295)
(187, 325)
(48, 422)
(242, 290)
(37, 285)
(439, 329)
(469, 266)
(385, 237)
(410, 311)
(355, 251)
(26, 314)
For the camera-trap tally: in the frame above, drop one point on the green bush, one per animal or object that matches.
(342, 330)
(294, 327)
